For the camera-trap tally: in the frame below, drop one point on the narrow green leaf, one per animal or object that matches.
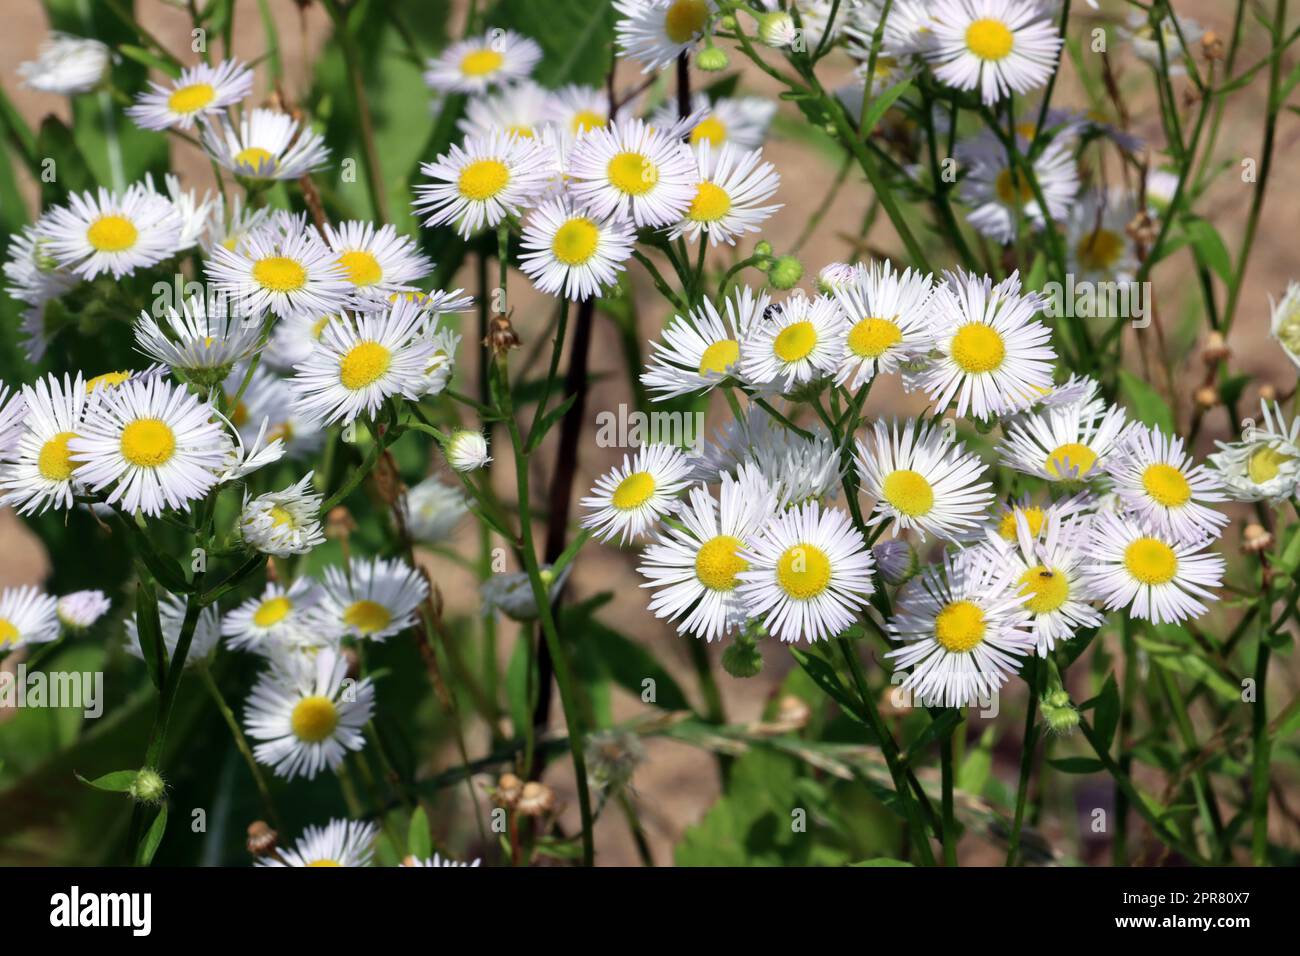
(1146, 402)
(149, 629)
(152, 839)
(418, 842)
(119, 781)
(1106, 715)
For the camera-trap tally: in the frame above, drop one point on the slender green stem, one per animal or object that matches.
(361, 103)
(1028, 742)
(241, 742)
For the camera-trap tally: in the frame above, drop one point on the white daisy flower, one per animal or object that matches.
(107, 232)
(628, 500)
(1000, 193)
(201, 89)
(657, 32)
(577, 109)
(341, 843)
(1100, 247)
(281, 523)
(1048, 567)
(41, 473)
(437, 860)
(694, 569)
(1152, 574)
(12, 409)
(512, 593)
(476, 64)
(1161, 186)
(289, 274)
(433, 511)
(732, 184)
(247, 457)
(67, 65)
(924, 480)
(157, 445)
(267, 145)
(306, 717)
(999, 47)
(228, 228)
(964, 628)
(80, 609)
(171, 620)
(359, 365)
(741, 121)
(570, 252)
(798, 341)
(1265, 464)
(1161, 486)
(1064, 443)
(27, 616)
(701, 349)
(1006, 521)
(632, 169)
(372, 599)
(443, 361)
(992, 354)
(479, 183)
(378, 262)
(809, 574)
(467, 451)
(1284, 322)
(267, 404)
(109, 381)
(887, 321)
(197, 339)
(778, 29)
(279, 617)
(195, 214)
(520, 109)
(1146, 41)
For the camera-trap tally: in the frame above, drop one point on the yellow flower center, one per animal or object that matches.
(1013, 188)
(1071, 460)
(1033, 517)
(272, 612)
(148, 442)
(55, 461)
(720, 356)
(978, 348)
(710, 204)
(256, 159)
(959, 627)
(189, 99)
(367, 616)
(281, 518)
(1265, 464)
(795, 341)
(362, 267)
(632, 173)
(803, 572)
(909, 492)
(112, 234)
(684, 19)
(1099, 250)
(363, 365)
(523, 132)
(1151, 561)
(8, 633)
(872, 337)
(719, 561)
(633, 491)
(483, 179)
(585, 120)
(314, 719)
(1047, 589)
(324, 863)
(709, 130)
(481, 62)
(989, 39)
(576, 241)
(108, 380)
(1166, 485)
(279, 274)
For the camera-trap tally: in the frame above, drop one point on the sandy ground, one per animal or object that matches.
(677, 784)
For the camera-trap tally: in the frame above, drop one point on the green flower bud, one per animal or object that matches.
(1058, 713)
(148, 787)
(777, 28)
(786, 273)
(742, 659)
(712, 59)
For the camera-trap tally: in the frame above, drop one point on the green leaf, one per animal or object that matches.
(149, 629)
(824, 676)
(1209, 245)
(521, 713)
(149, 60)
(1078, 765)
(628, 664)
(881, 104)
(1106, 715)
(1146, 402)
(149, 845)
(418, 842)
(975, 769)
(119, 781)
(548, 421)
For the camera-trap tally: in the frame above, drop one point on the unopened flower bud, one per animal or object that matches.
(261, 838)
(1211, 45)
(786, 273)
(712, 59)
(509, 788)
(467, 451)
(147, 787)
(777, 29)
(535, 799)
(1215, 349)
(1058, 713)
(1207, 396)
(1267, 392)
(742, 659)
(1256, 538)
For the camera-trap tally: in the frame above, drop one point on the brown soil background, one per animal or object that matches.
(677, 784)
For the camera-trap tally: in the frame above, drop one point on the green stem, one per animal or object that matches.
(361, 103)
(241, 742)
(1029, 740)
